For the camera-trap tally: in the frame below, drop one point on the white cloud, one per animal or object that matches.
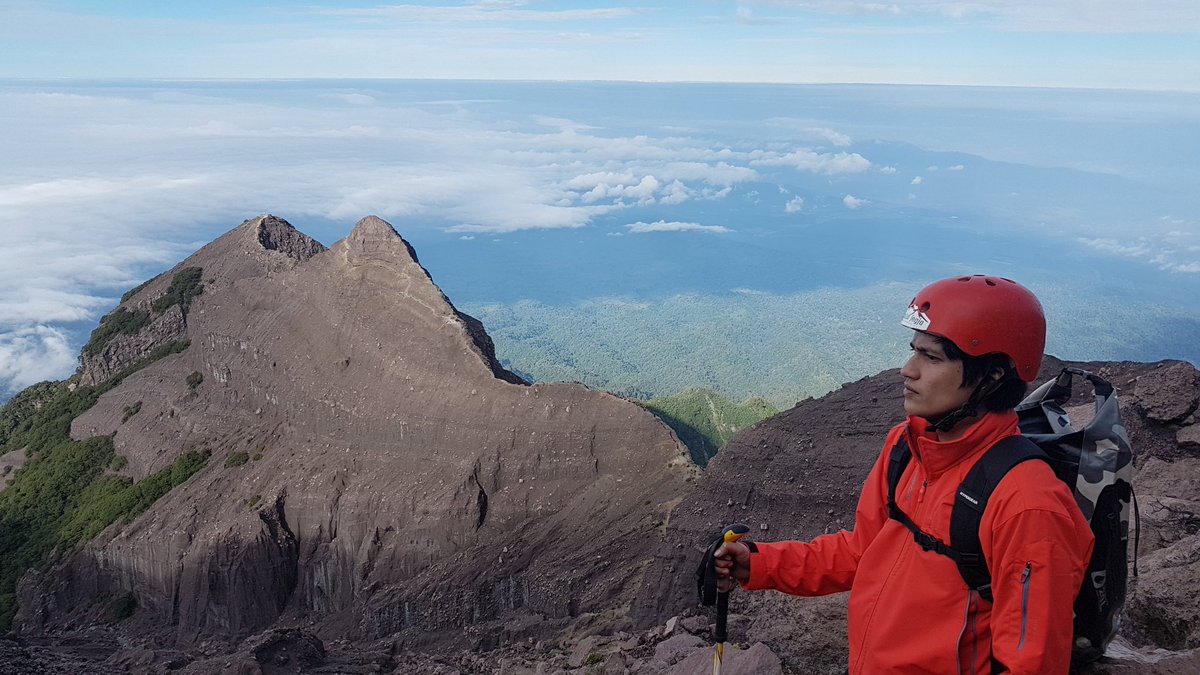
(642, 192)
(467, 237)
(481, 11)
(807, 160)
(663, 226)
(1102, 16)
(32, 354)
(675, 193)
(794, 206)
(351, 98)
(851, 202)
(713, 195)
(888, 170)
(1138, 250)
(803, 130)
(1149, 251)
(917, 180)
(717, 173)
(956, 167)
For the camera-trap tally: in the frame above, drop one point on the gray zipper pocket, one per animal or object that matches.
(1024, 601)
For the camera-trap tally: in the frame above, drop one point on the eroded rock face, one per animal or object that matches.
(372, 466)
(258, 246)
(1170, 393)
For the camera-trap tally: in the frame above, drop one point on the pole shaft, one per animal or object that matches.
(722, 615)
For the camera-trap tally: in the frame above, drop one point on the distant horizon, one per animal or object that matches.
(519, 80)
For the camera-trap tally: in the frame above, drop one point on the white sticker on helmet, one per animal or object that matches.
(915, 319)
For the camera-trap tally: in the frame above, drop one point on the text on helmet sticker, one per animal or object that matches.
(915, 319)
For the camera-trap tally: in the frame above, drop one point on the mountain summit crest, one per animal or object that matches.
(368, 452)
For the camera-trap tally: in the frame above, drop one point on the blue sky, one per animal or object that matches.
(1152, 44)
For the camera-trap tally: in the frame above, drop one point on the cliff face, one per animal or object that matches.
(259, 247)
(372, 467)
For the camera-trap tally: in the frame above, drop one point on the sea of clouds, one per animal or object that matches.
(106, 183)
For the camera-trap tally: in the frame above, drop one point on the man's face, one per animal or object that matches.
(933, 384)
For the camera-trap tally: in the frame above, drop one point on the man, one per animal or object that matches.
(978, 341)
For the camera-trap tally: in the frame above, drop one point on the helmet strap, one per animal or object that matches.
(967, 410)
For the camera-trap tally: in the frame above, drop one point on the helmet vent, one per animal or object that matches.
(989, 282)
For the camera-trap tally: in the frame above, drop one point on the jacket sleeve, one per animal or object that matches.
(828, 563)
(1039, 548)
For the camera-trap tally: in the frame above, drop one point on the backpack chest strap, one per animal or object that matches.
(970, 502)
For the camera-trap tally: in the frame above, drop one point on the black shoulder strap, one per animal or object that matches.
(972, 498)
(897, 461)
(965, 549)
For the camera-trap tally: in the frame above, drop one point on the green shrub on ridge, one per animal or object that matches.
(705, 421)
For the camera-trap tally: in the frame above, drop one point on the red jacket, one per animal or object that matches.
(910, 610)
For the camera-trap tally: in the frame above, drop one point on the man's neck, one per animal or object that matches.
(959, 430)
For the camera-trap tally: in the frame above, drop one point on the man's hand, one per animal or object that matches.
(732, 561)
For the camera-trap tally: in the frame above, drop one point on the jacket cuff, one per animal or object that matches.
(762, 563)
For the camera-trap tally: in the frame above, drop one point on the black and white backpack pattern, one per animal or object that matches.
(1096, 461)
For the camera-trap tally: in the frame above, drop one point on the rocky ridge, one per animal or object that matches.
(373, 469)
(400, 503)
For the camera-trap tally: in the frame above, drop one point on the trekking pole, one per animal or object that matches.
(706, 582)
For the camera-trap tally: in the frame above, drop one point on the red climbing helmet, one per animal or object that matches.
(984, 315)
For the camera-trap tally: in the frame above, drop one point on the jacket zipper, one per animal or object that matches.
(1024, 601)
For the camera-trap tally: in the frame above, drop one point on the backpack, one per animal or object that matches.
(1096, 462)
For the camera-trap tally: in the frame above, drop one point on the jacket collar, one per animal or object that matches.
(937, 457)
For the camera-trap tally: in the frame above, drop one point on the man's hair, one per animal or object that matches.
(1010, 388)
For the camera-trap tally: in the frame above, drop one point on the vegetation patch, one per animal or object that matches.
(194, 379)
(130, 411)
(185, 286)
(236, 459)
(705, 421)
(62, 496)
(118, 322)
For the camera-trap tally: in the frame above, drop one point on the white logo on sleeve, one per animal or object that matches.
(915, 319)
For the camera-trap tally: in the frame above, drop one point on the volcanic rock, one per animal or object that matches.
(381, 489)
(260, 246)
(373, 468)
(1170, 393)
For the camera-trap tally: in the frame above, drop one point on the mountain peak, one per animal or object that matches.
(373, 227)
(277, 234)
(373, 235)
